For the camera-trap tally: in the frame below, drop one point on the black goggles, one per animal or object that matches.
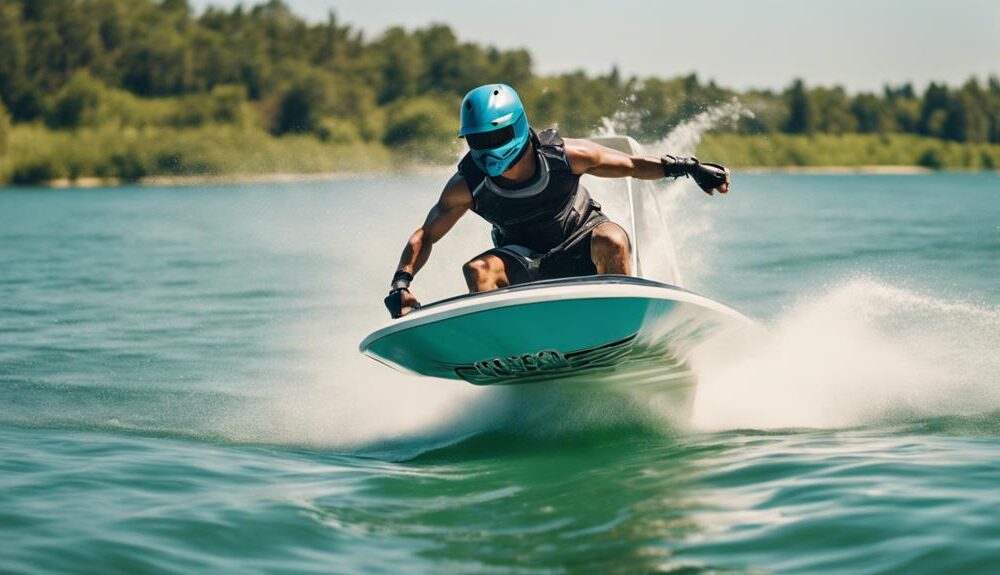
(490, 140)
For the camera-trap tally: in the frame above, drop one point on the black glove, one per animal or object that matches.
(394, 301)
(708, 176)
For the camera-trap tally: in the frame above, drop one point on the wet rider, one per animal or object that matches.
(527, 184)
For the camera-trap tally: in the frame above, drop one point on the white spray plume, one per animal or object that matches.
(684, 139)
(852, 355)
(682, 207)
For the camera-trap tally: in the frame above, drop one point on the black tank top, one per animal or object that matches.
(540, 214)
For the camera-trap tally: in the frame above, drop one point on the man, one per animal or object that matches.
(545, 225)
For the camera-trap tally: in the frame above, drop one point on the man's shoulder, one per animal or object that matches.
(456, 190)
(550, 137)
(457, 180)
(581, 154)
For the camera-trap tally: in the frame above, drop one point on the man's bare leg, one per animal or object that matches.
(485, 273)
(609, 249)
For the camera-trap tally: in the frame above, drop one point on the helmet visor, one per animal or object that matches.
(491, 139)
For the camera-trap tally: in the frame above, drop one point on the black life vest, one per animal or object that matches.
(548, 212)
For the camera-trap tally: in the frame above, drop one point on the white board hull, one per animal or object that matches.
(614, 330)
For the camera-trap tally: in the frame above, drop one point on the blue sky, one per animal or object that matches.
(860, 44)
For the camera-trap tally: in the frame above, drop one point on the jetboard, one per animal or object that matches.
(625, 330)
(598, 327)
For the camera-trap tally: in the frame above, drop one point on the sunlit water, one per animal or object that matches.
(180, 391)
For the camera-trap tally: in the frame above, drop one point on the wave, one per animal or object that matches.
(859, 353)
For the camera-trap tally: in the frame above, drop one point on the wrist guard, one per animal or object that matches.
(401, 281)
(676, 166)
(708, 176)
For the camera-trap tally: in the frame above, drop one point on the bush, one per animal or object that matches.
(931, 158)
(122, 109)
(77, 104)
(422, 127)
(307, 99)
(989, 161)
(226, 104)
(128, 166)
(337, 131)
(36, 171)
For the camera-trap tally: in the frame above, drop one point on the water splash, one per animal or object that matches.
(683, 211)
(858, 353)
(684, 139)
(625, 120)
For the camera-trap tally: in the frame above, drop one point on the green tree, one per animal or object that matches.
(543, 101)
(801, 116)
(585, 103)
(455, 68)
(871, 114)
(513, 67)
(966, 119)
(443, 58)
(176, 6)
(156, 64)
(658, 102)
(993, 108)
(402, 65)
(904, 107)
(934, 110)
(4, 129)
(832, 109)
(16, 89)
(770, 114)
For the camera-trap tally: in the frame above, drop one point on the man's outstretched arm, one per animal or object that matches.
(586, 157)
(455, 200)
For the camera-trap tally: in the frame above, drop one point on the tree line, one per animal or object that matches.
(72, 64)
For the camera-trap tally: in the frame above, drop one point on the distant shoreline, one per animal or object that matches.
(88, 158)
(286, 178)
(275, 178)
(841, 170)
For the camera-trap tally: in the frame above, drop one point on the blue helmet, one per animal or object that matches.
(494, 125)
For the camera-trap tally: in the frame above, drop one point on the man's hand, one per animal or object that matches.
(400, 302)
(711, 177)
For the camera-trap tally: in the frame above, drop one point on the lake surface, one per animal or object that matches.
(180, 391)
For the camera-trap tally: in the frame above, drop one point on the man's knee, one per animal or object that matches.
(481, 267)
(610, 238)
(609, 248)
(475, 268)
(485, 273)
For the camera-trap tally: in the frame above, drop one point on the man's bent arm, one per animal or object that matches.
(586, 157)
(455, 200)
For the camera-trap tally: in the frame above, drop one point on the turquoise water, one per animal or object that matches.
(180, 391)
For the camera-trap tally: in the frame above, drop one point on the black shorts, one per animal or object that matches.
(524, 265)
